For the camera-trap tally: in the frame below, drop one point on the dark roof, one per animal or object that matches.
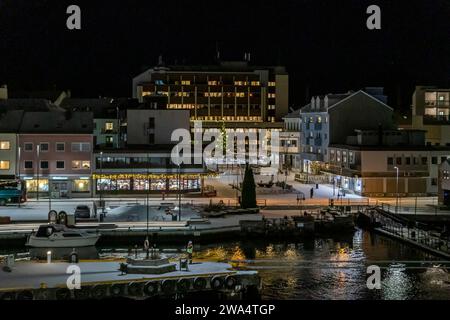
(27, 105)
(293, 114)
(10, 121)
(333, 98)
(57, 122)
(105, 108)
(51, 95)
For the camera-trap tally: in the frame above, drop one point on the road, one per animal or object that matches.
(273, 197)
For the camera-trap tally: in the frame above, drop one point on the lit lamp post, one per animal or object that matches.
(18, 173)
(37, 171)
(101, 177)
(396, 199)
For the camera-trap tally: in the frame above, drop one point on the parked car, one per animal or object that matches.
(82, 212)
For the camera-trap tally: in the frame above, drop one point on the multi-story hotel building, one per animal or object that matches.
(431, 112)
(234, 93)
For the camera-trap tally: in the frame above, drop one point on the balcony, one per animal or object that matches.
(437, 103)
(318, 126)
(439, 119)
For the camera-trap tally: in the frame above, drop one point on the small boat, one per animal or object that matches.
(59, 236)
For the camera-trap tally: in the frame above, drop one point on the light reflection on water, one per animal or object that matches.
(330, 269)
(324, 269)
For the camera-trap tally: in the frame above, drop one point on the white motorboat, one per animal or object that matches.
(59, 236)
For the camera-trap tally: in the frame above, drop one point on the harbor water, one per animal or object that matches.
(325, 268)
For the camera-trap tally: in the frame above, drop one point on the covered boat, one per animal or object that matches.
(59, 236)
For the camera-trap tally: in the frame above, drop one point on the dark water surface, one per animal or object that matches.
(325, 269)
(336, 268)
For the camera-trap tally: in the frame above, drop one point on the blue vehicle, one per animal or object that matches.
(12, 191)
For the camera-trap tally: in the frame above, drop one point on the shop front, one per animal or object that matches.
(141, 183)
(59, 187)
(346, 184)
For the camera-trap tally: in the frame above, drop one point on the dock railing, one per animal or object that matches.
(410, 230)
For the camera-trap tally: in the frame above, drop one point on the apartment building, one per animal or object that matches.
(289, 146)
(431, 112)
(329, 119)
(54, 153)
(444, 183)
(372, 161)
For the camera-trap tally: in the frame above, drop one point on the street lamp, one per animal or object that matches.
(38, 167)
(101, 177)
(396, 200)
(18, 173)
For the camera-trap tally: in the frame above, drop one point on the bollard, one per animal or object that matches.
(49, 257)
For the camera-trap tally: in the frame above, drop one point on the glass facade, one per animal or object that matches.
(132, 184)
(81, 186)
(32, 185)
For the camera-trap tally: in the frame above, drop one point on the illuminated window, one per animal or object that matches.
(240, 94)
(271, 83)
(80, 186)
(76, 165)
(33, 184)
(4, 165)
(446, 175)
(5, 145)
(271, 95)
(186, 82)
(271, 107)
(212, 83)
(109, 126)
(255, 83)
(86, 164)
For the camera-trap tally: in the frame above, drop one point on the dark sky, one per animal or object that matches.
(324, 43)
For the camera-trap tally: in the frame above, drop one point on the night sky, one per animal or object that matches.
(325, 45)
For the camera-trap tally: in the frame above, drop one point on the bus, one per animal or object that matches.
(12, 191)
